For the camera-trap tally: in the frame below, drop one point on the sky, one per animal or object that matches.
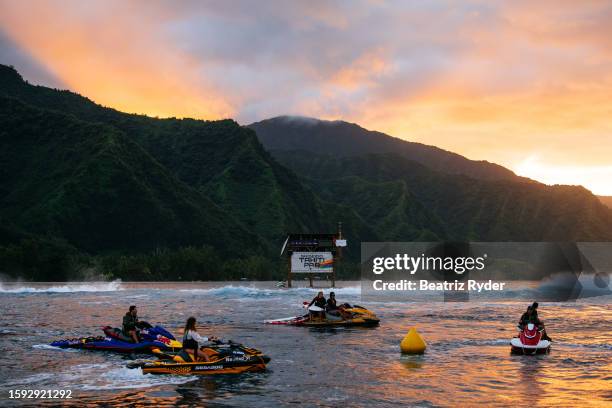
(526, 84)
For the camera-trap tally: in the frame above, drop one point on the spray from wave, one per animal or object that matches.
(574, 287)
(65, 288)
(107, 377)
(252, 292)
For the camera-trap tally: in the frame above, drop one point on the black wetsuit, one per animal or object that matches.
(524, 320)
(331, 305)
(320, 302)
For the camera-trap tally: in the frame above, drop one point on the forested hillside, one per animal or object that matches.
(87, 191)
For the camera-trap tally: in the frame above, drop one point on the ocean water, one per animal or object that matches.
(467, 363)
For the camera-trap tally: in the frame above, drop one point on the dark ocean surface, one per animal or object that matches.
(467, 363)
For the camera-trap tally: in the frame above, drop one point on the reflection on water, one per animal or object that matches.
(467, 361)
(412, 362)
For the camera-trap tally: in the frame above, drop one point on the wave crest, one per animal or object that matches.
(67, 288)
(253, 292)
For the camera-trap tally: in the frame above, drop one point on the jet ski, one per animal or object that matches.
(227, 358)
(529, 341)
(151, 337)
(352, 316)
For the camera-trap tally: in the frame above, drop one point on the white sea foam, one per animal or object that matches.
(50, 347)
(253, 292)
(128, 378)
(66, 288)
(88, 377)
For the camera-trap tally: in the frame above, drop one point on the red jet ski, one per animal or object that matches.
(530, 342)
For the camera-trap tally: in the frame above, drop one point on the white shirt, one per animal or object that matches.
(191, 334)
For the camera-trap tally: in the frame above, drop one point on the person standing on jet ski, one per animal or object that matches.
(319, 301)
(130, 322)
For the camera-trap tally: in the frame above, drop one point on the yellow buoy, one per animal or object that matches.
(413, 343)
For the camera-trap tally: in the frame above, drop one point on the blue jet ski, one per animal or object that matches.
(152, 339)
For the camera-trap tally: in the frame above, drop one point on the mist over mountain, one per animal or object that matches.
(87, 190)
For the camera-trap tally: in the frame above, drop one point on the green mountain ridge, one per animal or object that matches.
(87, 191)
(344, 139)
(89, 184)
(180, 183)
(405, 200)
(219, 158)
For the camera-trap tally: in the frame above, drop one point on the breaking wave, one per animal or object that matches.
(583, 286)
(106, 377)
(252, 292)
(67, 288)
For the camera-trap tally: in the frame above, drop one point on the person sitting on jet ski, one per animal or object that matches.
(531, 316)
(130, 323)
(331, 303)
(192, 340)
(188, 353)
(333, 308)
(319, 301)
(536, 320)
(525, 318)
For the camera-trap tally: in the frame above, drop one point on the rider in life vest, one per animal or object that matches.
(531, 316)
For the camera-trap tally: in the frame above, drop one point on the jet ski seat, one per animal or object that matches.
(183, 357)
(333, 316)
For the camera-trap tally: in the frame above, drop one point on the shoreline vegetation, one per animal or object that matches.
(36, 261)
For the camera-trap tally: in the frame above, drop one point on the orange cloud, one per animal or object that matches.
(362, 72)
(502, 82)
(113, 59)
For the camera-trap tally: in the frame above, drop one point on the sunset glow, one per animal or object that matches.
(521, 84)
